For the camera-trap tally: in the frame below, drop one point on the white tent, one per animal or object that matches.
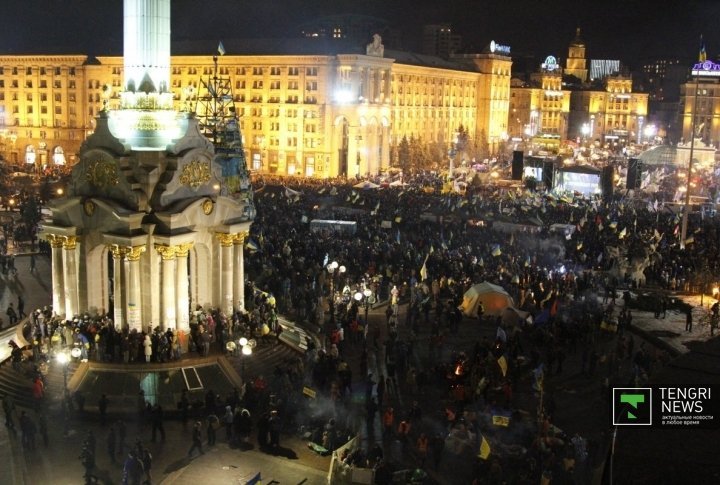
(366, 185)
(494, 299)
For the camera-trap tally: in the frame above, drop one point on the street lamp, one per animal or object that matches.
(333, 269)
(364, 296)
(246, 350)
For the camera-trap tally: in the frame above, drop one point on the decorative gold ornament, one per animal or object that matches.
(55, 240)
(182, 250)
(195, 173)
(240, 237)
(133, 253)
(89, 208)
(167, 252)
(226, 240)
(102, 173)
(208, 206)
(70, 242)
(117, 251)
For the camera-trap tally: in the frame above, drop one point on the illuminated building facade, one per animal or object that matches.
(539, 109)
(706, 87)
(576, 64)
(615, 116)
(301, 114)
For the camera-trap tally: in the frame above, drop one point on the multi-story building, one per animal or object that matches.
(440, 40)
(44, 108)
(318, 115)
(700, 99)
(539, 109)
(614, 116)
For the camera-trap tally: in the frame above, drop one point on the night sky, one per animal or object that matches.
(629, 30)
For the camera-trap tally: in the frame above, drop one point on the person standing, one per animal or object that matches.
(228, 419)
(196, 439)
(21, 307)
(102, 407)
(212, 424)
(42, 424)
(688, 319)
(111, 442)
(274, 423)
(147, 344)
(8, 408)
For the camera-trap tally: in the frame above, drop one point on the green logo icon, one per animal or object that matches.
(632, 406)
(633, 400)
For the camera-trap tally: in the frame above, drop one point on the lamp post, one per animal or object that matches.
(247, 350)
(333, 269)
(364, 296)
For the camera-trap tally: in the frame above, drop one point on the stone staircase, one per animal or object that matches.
(18, 383)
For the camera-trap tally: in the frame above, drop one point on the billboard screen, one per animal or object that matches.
(585, 183)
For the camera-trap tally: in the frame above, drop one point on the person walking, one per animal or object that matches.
(8, 408)
(12, 316)
(196, 439)
(157, 423)
(147, 465)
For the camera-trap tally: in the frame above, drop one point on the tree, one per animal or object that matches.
(404, 160)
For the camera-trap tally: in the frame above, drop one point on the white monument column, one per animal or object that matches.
(182, 295)
(118, 253)
(58, 288)
(169, 303)
(226, 283)
(239, 267)
(133, 288)
(146, 44)
(70, 276)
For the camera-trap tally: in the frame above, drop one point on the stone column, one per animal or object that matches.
(118, 253)
(133, 289)
(169, 303)
(58, 287)
(70, 276)
(182, 295)
(239, 267)
(226, 283)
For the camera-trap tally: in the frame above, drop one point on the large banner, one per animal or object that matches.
(341, 474)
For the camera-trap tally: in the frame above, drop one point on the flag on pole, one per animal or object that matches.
(424, 271)
(221, 49)
(502, 362)
(539, 375)
(702, 55)
(484, 451)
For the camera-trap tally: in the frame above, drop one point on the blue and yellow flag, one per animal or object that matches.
(484, 451)
(702, 55)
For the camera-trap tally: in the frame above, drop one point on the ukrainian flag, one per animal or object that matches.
(702, 55)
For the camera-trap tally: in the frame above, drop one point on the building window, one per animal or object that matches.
(56, 84)
(58, 110)
(29, 97)
(257, 71)
(293, 71)
(311, 71)
(274, 84)
(311, 86)
(274, 71)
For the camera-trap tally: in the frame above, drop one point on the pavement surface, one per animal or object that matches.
(577, 398)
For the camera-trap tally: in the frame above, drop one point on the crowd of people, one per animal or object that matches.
(426, 404)
(421, 248)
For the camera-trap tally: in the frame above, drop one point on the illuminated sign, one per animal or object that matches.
(550, 64)
(499, 48)
(707, 68)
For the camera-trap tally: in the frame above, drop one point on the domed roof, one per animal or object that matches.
(659, 155)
